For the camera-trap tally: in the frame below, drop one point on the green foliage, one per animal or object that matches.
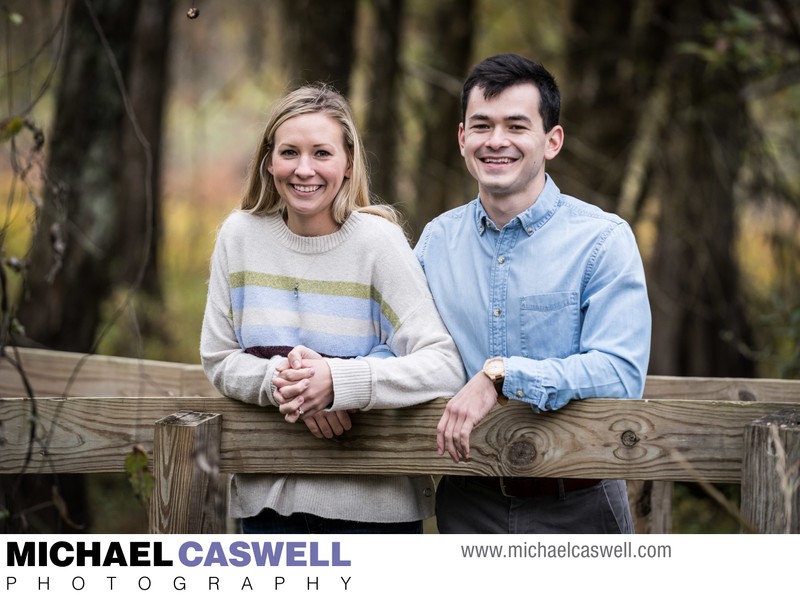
(113, 505)
(779, 330)
(15, 18)
(694, 511)
(139, 476)
(172, 320)
(10, 127)
(754, 42)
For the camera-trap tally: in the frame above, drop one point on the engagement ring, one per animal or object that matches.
(300, 411)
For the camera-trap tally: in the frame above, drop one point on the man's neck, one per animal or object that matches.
(503, 208)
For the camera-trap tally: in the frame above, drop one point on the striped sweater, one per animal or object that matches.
(353, 293)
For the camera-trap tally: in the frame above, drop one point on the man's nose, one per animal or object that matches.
(498, 138)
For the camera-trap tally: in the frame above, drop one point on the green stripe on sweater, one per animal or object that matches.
(335, 288)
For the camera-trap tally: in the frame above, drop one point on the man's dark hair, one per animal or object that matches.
(497, 73)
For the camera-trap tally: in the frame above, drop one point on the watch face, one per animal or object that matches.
(494, 368)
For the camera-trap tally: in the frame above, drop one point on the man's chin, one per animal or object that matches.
(498, 191)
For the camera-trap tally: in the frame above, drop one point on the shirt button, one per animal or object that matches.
(427, 492)
(480, 229)
(501, 260)
(520, 394)
(497, 311)
(530, 230)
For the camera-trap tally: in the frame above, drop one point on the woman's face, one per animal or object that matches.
(309, 164)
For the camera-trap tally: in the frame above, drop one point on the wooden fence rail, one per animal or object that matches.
(88, 413)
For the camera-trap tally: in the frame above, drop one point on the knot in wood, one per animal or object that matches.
(629, 438)
(746, 395)
(521, 453)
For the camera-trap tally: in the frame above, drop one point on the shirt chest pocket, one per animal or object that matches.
(550, 324)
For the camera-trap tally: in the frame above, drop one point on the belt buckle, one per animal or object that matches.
(502, 481)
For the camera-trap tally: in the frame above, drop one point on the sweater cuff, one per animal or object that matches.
(270, 374)
(352, 384)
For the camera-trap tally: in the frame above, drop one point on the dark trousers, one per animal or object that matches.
(466, 506)
(268, 521)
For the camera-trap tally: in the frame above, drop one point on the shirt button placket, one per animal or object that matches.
(499, 292)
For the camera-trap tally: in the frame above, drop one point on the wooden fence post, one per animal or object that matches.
(771, 473)
(187, 494)
(651, 506)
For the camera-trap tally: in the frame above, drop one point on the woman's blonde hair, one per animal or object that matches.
(261, 196)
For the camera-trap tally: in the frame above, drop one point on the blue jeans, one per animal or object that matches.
(268, 521)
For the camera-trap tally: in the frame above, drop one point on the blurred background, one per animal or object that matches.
(127, 127)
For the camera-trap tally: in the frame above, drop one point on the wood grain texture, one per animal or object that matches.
(187, 494)
(771, 472)
(651, 506)
(57, 374)
(647, 439)
(102, 376)
(722, 389)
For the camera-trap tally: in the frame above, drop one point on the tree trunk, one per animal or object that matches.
(100, 221)
(70, 274)
(614, 58)
(441, 180)
(318, 41)
(653, 121)
(382, 128)
(699, 322)
(139, 231)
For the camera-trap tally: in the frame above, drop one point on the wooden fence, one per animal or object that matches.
(67, 413)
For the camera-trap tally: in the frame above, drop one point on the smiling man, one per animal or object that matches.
(544, 296)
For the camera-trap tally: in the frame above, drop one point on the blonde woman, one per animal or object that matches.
(308, 267)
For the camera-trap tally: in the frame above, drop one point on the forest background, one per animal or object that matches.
(127, 128)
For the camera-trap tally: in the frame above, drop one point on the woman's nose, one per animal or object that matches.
(304, 167)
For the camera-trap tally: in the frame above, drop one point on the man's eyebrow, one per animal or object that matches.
(512, 118)
(518, 118)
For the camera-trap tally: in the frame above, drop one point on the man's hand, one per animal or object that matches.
(327, 424)
(462, 413)
(303, 386)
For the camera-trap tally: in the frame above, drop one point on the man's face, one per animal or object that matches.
(504, 144)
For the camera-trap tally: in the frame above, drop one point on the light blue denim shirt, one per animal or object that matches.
(559, 293)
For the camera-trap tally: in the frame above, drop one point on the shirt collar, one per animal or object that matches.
(530, 219)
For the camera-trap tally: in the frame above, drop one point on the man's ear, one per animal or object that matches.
(554, 142)
(461, 138)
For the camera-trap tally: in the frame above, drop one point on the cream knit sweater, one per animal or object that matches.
(347, 294)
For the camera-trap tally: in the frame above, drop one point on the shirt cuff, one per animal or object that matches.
(524, 385)
(352, 383)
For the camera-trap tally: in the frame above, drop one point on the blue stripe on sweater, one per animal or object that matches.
(327, 305)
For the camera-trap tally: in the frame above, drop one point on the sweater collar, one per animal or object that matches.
(311, 244)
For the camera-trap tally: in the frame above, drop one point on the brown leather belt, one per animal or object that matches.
(525, 487)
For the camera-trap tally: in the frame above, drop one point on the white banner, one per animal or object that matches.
(402, 564)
